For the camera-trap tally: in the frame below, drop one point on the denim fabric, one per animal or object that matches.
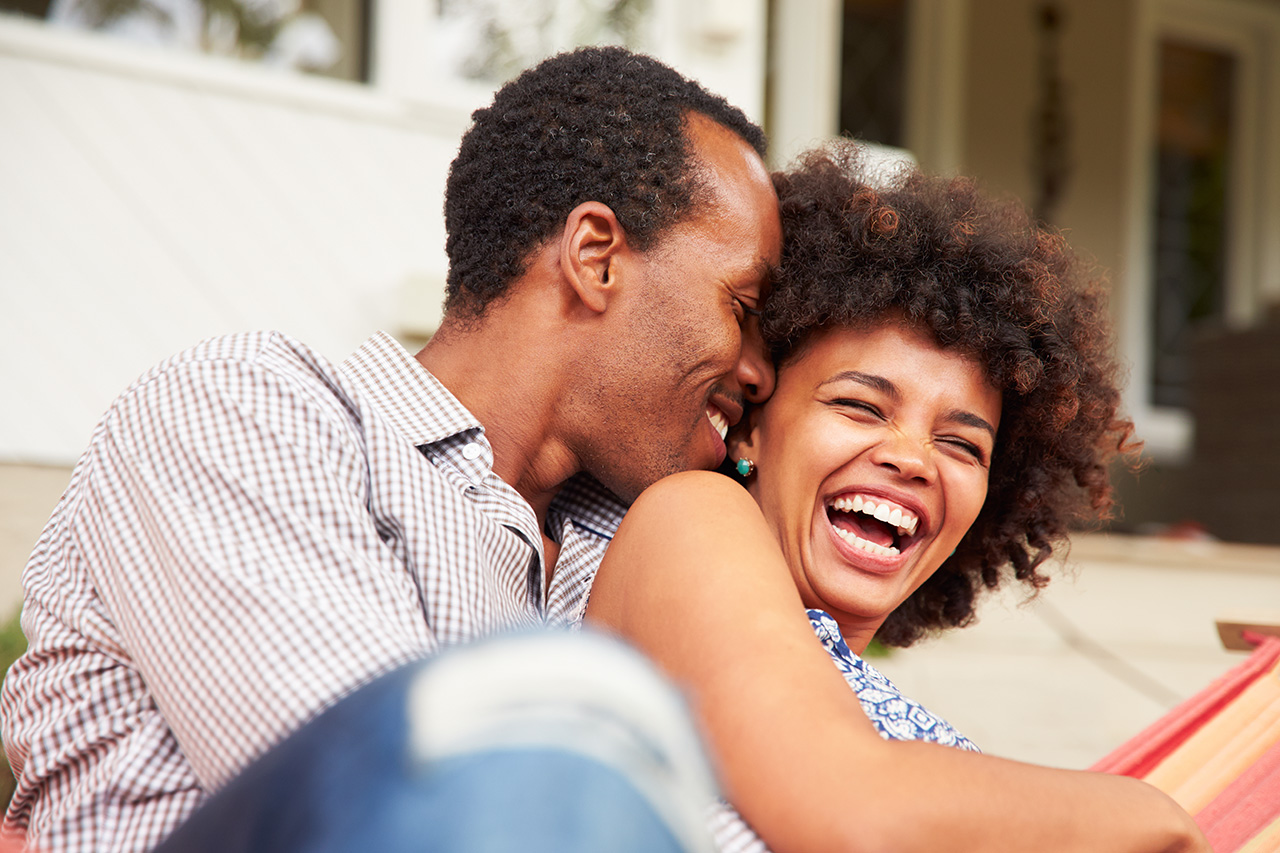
(350, 781)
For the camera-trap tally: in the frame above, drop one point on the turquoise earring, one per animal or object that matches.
(745, 467)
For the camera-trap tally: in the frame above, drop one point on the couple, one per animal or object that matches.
(254, 533)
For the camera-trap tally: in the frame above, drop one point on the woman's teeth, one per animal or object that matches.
(858, 542)
(718, 420)
(900, 518)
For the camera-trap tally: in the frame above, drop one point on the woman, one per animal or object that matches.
(945, 405)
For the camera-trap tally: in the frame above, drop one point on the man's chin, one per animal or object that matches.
(628, 488)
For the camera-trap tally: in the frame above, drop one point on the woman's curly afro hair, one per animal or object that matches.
(595, 124)
(984, 280)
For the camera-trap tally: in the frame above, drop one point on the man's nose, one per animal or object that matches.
(755, 369)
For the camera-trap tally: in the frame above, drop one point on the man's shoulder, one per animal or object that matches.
(260, 363)
(271, 350)
(229, 390)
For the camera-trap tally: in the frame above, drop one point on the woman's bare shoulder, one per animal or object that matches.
(689, 501)
(691, 516)
(688, 539)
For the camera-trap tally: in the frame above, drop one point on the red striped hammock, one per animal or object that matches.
(1218, 754)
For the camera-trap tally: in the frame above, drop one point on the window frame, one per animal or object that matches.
(804, 89)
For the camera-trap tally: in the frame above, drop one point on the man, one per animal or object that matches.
(254, 533)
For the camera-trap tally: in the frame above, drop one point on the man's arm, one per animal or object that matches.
(224, 525)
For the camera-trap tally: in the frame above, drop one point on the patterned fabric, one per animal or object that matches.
(895, 717)
(251, 534)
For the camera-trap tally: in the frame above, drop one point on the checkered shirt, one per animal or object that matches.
(251, 534)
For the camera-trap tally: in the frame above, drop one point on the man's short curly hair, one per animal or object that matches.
(983, 279)
(596, 124)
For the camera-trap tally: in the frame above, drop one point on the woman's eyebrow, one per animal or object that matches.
(871, 380)
(886, 387)
(961, 416)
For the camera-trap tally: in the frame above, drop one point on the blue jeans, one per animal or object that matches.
(478, 751)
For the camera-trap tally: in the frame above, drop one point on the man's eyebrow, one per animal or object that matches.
(763, 275)
(765, 272)
(886, 387)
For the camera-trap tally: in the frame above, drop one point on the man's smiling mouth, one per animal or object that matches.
(871, 524)
(719, 420)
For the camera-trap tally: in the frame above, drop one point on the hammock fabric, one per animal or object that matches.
(1218, 754)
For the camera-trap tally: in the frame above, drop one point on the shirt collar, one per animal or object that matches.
(417, 405)
(590, 505)
(424, 412)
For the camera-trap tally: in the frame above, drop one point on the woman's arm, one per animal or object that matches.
(695, 579)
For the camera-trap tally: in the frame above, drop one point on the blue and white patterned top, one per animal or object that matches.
(895, 716)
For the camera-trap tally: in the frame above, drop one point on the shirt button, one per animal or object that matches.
(472, 451)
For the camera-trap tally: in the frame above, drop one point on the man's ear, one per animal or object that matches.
(589, 249)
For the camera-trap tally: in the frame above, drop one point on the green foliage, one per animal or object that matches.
(876, 649)
(12, 645)
(12, 642)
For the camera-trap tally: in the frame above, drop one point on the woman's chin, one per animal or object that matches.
(866, 587)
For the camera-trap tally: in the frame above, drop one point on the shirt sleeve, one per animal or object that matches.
(225, 521)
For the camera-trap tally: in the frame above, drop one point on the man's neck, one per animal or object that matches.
(508, 377)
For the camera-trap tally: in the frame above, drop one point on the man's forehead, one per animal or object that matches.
(722, 152)
(732, 175)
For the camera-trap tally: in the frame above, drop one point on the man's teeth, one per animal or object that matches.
(858, 542)
(886, 512)
(718, 420)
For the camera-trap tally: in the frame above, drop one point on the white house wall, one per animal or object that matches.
(148, 201)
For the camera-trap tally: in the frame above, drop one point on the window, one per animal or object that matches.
(885, 71)
(1194, 143)
(328, 37)
(872, 70)
(493, 40)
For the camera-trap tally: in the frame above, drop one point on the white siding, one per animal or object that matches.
(149, 200)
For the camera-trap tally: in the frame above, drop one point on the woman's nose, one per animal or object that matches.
(909, 455)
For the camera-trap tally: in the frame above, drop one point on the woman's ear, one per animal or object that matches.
(742, 442)
(589, 249)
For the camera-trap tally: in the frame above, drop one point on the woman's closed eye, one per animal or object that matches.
(963, 445)
(859, 406)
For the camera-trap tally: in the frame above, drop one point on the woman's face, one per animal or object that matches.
(871, 463)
